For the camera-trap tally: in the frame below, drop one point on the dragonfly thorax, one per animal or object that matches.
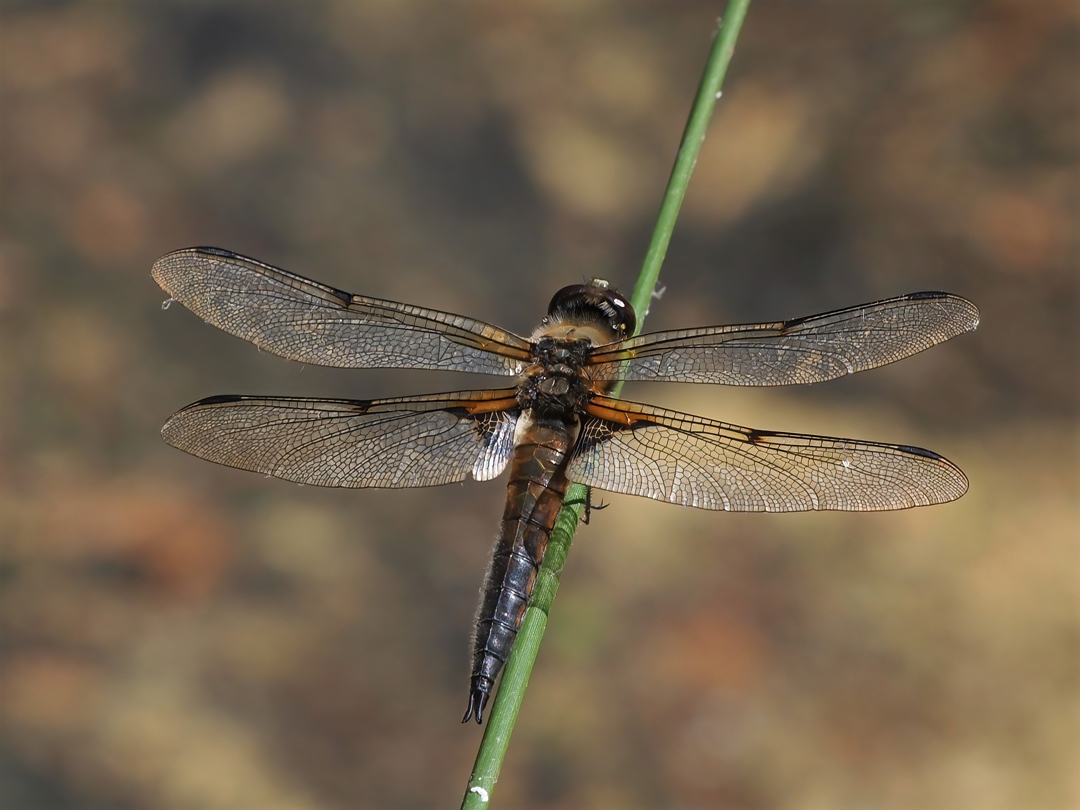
(556, 384)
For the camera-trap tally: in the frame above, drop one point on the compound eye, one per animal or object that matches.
(592, 300)
(623, 307)
(566, 297)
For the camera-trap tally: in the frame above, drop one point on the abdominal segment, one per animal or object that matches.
(534, 496)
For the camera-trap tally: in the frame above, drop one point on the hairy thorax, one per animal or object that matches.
(556, 384)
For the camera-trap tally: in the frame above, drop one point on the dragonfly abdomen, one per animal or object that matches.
(534, 496)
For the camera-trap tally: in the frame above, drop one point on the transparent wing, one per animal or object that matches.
(640, 450)
(803, 350)
(303, 320)
(404, 442)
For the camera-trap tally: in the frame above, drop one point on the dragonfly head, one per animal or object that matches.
(595, 301)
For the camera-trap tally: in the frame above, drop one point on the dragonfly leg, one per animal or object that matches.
(589, 506)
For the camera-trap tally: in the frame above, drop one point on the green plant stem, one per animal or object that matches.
(515, 678)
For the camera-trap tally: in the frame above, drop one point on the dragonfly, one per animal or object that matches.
(555, 422)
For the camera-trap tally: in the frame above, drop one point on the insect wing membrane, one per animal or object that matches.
(637, 449)
(803, 350)
(403, 442)
(314, 323)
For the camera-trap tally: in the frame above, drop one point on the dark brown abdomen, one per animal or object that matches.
(534, 496)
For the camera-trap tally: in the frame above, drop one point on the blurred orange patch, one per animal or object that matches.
(176, 540)
(1022, 232)
(47, 692)
(109, 221)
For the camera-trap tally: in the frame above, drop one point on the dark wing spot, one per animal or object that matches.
(219, 399)
(344, 297)
(759, 436)
(216, 251)
(787, 326)
(918, 451)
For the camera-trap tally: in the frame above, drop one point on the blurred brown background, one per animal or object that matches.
(177, 635)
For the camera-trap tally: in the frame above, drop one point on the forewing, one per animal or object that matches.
(404, 442)
(687, 460)
(802, 350)
(303, 320)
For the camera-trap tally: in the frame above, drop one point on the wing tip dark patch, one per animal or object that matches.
(963, 305)
(165, 271)
(218, 399)
(344, 298)
(956, 300)
(960, 477)
(214, 251)
(920, 451)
